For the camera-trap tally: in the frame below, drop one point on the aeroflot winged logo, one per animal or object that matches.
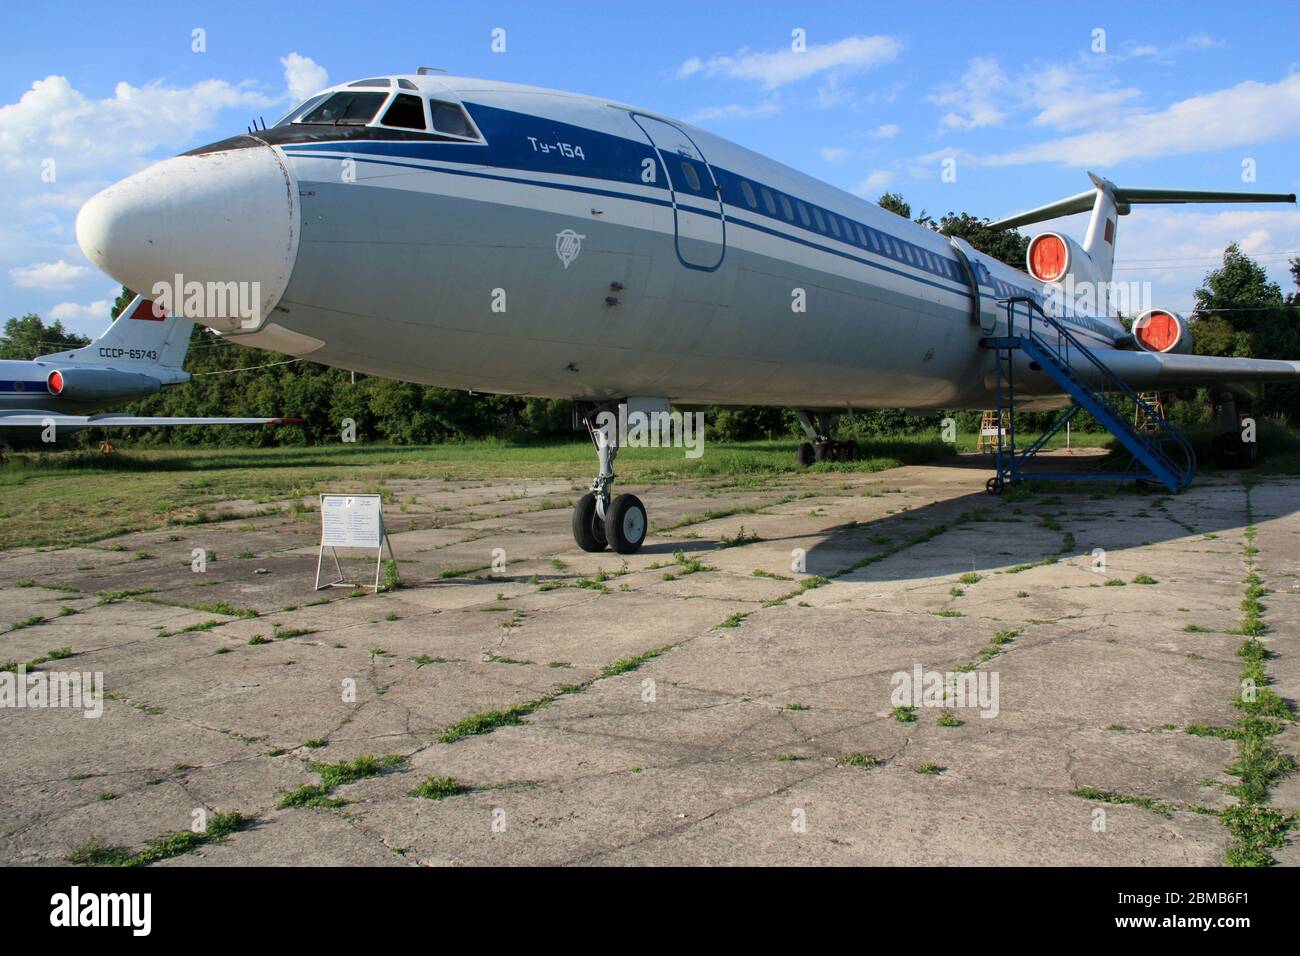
(567, 246)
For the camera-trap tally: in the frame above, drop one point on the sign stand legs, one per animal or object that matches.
(379, 559)
(320, 558)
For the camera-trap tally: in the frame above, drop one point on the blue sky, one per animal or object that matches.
(1182, 95)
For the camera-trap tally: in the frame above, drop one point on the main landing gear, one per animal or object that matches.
(598, 521)
(818, 426)
(1229, 448)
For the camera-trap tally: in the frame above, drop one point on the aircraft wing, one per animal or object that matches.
(40, 420)
(1152, 371)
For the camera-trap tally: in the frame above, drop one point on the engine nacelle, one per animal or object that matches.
(99, 384)
(1159, 330)
(1052, 257)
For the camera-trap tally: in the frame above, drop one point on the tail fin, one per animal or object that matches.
(1108, 202)
(138, 336)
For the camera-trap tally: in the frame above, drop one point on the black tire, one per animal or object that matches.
(1229, 450)
(993, 486)
(588, 529)
(804, 455)
(626, 524)
(822, 451)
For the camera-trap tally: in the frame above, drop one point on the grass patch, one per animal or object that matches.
(1098, 795)
(490, 720)
(219, 826)
(855, 759)
(438, 788)
(741, 539)
(625, 664)
(333, 775)
(1256, 828)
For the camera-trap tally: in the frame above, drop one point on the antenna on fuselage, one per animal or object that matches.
(426, 70)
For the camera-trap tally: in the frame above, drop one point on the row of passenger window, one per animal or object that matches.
(838, 227)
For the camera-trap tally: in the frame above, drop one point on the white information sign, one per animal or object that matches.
(351, 521)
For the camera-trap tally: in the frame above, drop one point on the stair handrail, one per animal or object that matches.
(1107, 376)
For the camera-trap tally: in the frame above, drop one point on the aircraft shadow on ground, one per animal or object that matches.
(907, 544)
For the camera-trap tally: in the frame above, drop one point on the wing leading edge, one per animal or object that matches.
(1151, 371)
(40, 420)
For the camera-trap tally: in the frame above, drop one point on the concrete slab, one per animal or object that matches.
(596, 710)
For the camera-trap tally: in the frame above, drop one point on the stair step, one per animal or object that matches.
(1148, 449)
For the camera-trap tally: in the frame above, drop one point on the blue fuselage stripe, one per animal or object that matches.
(612, 194)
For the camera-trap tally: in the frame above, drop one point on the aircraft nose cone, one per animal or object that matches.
(193, 225)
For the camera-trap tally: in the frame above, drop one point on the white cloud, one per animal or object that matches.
(973, 103)
(734, 111)
(878, 180)
(690, 67)
(303, 76)
(1062, 96)
(49, 275)
(780, 67)
(1194, 43)
(833, 92)
(1068, 98)
(98, 311)
(53, 120)
(834, 154)
(1250, 112)
(92, 141)
(885, 131)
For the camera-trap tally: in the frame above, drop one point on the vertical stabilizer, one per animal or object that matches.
(137, 336)
(1099, 243)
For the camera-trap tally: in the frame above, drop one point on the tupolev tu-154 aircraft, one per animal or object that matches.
(139, 354)
(501, 238)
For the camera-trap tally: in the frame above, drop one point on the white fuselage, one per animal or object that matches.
(566, 247)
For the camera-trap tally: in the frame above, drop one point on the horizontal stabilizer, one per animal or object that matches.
(1126, 196)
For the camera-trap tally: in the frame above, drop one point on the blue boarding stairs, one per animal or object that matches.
(1161, 455)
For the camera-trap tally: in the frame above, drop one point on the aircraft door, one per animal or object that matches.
(700, 223)
(984, 306)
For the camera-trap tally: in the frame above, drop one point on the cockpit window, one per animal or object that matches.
(451, 119)
(406, 84)
(299, 110)
(406, 112)
(380, 81)
(346, 109)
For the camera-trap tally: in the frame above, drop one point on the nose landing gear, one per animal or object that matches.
(600, 520)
